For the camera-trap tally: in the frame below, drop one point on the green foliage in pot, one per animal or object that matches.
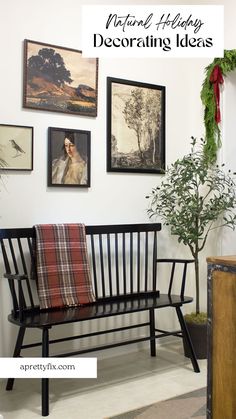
(194, 198)
(196, 318)
(2, 161)
(3, 164)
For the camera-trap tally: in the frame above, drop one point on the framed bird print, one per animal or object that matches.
(16, 147)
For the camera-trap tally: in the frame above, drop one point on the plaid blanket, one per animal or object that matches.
(63, 273)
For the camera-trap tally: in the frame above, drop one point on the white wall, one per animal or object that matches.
(113, 197)
(229, 148)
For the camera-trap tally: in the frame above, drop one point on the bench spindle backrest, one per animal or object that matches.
(122, 259)
(17, 251)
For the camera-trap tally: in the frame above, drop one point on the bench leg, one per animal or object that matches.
(187, 339)
(152, 332)
(45, 381)
(16, 353)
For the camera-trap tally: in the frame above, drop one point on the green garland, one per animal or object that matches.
(212, 130)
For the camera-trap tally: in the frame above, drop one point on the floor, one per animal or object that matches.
(124, 383)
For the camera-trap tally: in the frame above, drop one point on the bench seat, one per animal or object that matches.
(104, 307)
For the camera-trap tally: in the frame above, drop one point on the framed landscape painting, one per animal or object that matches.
(16, 147)
(135, 127)
(68, 157)
(59, 79)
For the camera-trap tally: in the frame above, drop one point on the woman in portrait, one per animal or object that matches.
(71, 167)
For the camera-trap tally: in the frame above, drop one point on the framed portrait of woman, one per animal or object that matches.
(68, 157)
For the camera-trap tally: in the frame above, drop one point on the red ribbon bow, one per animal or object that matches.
(216, 79)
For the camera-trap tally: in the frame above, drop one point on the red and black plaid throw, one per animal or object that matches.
(63, 271)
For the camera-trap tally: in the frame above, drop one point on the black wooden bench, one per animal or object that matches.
(123, 262)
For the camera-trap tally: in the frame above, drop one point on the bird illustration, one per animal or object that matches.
(18, 149)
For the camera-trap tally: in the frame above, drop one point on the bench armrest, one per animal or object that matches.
(185, 263)
(175, 260)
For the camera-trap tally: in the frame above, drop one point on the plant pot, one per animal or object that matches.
(198, 335)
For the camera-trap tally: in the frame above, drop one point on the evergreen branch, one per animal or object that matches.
(212, 130)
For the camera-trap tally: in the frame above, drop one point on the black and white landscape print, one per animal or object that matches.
(136, 131)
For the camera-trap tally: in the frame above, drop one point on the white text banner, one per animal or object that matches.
(152, 31)
(48, 367)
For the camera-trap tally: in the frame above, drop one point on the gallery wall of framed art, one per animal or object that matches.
(60, 79)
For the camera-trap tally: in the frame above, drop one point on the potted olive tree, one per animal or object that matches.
(2, 165)
(194, 198)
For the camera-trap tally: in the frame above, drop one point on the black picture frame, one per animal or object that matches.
(16, 147)
(69, 157)
(135, 126)
(59, 79)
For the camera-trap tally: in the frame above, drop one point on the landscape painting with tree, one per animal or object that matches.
(135, 126)
(59, 79)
